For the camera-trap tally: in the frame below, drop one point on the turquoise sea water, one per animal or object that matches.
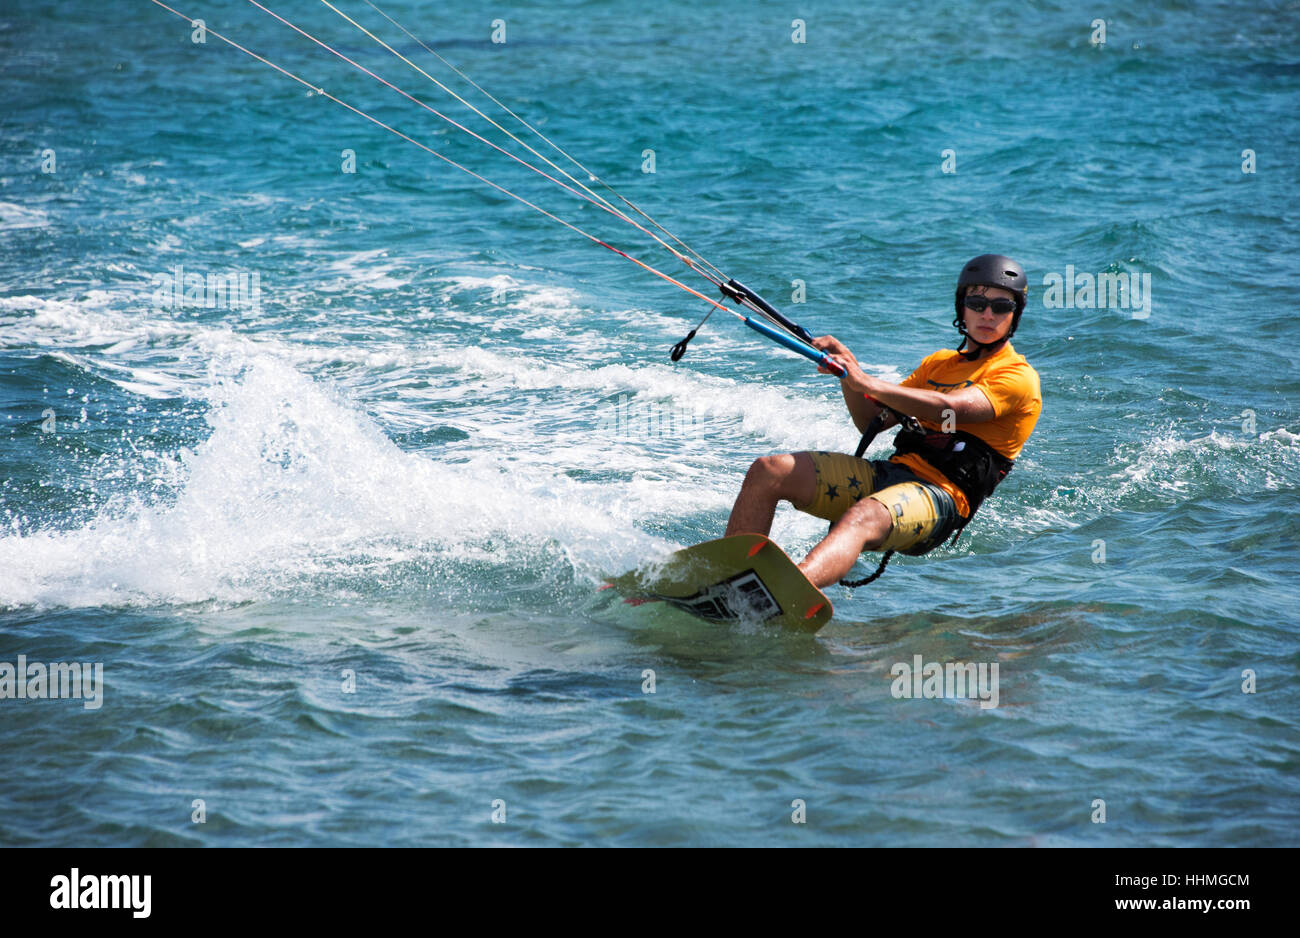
(414, 460)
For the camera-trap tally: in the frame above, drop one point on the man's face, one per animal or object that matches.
(987, 326)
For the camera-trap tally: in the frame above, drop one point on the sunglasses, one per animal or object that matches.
(1001, 305)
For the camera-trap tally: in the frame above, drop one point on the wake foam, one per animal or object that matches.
(293, 485)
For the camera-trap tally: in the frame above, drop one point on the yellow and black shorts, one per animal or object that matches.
(922, 511)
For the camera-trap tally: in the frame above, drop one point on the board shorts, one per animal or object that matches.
(924, 514)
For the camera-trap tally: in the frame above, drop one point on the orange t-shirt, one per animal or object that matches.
(1007, 380)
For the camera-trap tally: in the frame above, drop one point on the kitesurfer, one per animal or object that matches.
(966, 415)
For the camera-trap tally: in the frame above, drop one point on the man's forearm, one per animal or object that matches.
(914, 402)
(861, 410)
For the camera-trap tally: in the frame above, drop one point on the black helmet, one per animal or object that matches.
(991, 270)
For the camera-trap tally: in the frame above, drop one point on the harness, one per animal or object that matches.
(967, 461)
(964, 459)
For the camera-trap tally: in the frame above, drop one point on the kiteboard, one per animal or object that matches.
(745, 577)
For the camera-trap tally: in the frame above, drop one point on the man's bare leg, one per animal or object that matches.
(790, 476)
(865, 525)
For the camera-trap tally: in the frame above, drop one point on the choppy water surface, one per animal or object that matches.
(447, 419)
